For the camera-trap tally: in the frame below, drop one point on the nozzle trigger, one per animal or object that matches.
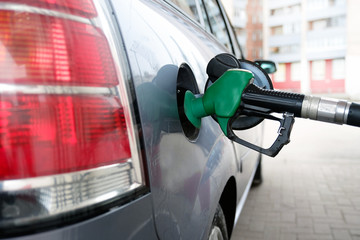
(283, 138)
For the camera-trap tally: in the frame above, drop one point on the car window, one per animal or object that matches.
(204, 18)
(209, 16)
(195, 10)
(217, 22)
(190, 7)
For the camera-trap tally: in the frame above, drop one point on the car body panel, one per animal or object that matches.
(186, 178)
(120, 223)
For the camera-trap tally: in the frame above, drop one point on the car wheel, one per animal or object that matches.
(218, 228)
(258, 175)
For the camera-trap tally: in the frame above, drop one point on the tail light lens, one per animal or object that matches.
(56, 134)
(83, 8)
(38, 49)
(67, 142)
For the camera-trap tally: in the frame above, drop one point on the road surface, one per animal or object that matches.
(311, 190)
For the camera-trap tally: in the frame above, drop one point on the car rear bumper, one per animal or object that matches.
(131, 221)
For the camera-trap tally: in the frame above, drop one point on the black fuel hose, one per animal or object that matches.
(304, 106)
(353, 117)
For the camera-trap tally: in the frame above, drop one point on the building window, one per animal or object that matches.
(318, 70)
(295, 71)
(339, 21)
(277, 30)
(296, 8)
(254, 36)
(295, 48)
(253, 19)
(276, 12)
(217, 23)
(260, 53)
(254, 54)
(243, 15)
(274, 50)
(280, 74)
(319, 24)
(291, 28)
(236, 13)
(337, 2)
(318, 4)
(338, 68)
(327, 43)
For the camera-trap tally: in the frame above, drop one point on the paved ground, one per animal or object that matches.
(311, 190)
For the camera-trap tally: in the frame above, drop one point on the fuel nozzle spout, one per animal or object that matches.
(221, 99)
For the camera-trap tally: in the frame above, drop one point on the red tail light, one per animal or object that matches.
(84, 8)
(67, 141)
(38, 49)
(43, 135)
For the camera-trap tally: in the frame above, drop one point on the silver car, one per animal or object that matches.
(94, 141)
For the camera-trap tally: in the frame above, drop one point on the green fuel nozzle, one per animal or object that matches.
(237, 97)
(222, 98)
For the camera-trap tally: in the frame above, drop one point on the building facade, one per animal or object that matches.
(247, 19)
(316, 43)
(236, 10)
(254, 29)
(308, 40)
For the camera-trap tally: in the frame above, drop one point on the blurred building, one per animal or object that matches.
(254, 29)
(247, 17)
(316, 43)
(308, 39)
(236, 10)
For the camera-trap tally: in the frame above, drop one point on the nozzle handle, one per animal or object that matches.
(283, 138)
(275, 101)
(222, 99)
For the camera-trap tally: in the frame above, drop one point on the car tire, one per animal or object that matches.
(218, 229)
(258, 174)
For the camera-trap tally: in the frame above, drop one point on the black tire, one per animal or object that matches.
(258, 175)
(218, 229)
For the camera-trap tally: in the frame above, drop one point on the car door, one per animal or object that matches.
(186, 176)
(212, 16)
(221, 28)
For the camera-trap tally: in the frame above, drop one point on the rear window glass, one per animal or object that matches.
(209, 16)
(188, 6)
(217, 22)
